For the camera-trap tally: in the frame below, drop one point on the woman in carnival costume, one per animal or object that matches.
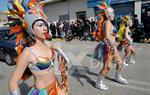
(125, 40)
(28, 21)
(106, 49)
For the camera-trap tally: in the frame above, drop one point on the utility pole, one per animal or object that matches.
(68, 14)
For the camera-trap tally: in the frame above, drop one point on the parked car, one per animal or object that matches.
(7, 46)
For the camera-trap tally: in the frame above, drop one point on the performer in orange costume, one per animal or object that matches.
(106, 49)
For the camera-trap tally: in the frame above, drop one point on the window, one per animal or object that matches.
(81, 15)
(64, 17)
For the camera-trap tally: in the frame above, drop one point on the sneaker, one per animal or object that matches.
(121, 80)
(125, 64)
(113, 61)
(101, 86)
(132, 61)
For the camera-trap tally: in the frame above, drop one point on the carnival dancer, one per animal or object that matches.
(29, 23)
(106, 48)
(125, 40)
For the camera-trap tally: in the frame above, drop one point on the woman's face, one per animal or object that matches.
(130, 23)
(112, 15)
(40, 30)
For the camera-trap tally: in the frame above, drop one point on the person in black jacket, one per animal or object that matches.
(53, 29)
(135, 28)
(147, 26)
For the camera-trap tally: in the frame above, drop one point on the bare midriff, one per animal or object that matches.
(44, 78)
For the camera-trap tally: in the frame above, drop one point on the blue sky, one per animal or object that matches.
(3, 5)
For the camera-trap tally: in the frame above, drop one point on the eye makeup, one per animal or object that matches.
(41, 21)
(40, 24)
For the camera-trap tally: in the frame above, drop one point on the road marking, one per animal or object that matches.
(90, 47)
(71, 46)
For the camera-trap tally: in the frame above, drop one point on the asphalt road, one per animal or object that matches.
(83, 72)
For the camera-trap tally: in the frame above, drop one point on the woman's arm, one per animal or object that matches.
(127, 34)
(57, 47)
(18, 72)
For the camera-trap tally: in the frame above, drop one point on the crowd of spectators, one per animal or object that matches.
(83, 28)
(78, 28)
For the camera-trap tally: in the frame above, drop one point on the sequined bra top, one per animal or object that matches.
(41, 64)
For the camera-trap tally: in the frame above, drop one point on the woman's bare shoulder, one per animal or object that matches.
(53, 45)
(26, 50)
(107, 22)
(26, 53)
(24, 57)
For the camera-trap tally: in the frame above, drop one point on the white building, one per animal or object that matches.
(67, 9)
(74, 9)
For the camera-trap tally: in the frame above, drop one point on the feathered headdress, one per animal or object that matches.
(126, 18)
(21, 17)
(105, 9)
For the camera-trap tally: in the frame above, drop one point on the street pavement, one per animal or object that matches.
(84, 72)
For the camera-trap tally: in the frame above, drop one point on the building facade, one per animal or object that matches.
(121, 7)
(68, 10)
(73, 9)
(145, 7)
